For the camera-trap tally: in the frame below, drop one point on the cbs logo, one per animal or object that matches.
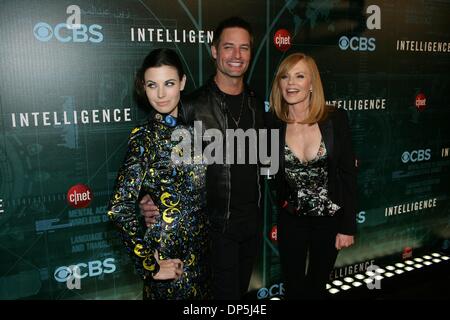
(66, 33)
(94, 269)
(416, 155)
(275, 290)
(357, 43)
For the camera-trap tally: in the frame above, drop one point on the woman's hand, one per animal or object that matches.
(343, 241)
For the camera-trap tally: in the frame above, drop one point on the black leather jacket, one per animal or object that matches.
(207, 104)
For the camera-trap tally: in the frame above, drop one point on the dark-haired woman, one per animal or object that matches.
(170, 254)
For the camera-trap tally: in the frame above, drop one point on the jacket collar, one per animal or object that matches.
(213, 85)
(220, 95)
(167, 120)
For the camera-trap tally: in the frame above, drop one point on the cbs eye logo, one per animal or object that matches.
(275, 290)
(357, 43)
(416, 155)
(43, 31)
(65, 33)
(82, 270)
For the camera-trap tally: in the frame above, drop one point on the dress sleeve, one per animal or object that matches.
(122, 206)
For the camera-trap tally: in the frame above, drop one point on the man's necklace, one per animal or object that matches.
(236, 122)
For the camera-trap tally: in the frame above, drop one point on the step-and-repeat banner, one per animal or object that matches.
(67, 107)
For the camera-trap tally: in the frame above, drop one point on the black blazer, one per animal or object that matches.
(342, 170)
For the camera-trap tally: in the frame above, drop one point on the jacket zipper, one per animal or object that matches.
(228, 214)
(258, 178)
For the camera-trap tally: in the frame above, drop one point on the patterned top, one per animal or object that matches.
(178, 189)
(308, 182)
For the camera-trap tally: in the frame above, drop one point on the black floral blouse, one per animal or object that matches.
(308, 182)
(180, 194)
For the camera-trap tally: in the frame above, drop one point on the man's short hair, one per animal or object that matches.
(232, 22)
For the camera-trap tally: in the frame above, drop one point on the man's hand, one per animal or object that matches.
(148, 210)
(343, 241)
(168, 269)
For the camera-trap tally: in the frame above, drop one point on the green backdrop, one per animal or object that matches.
(387, 65)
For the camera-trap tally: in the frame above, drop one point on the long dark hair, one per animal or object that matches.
(156, 58)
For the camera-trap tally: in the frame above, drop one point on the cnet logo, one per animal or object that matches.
(421, 102)
(416, 155)
(79, 196)
(407, 253)
(91, 269)
(282, 40)
(357, 43)
(273, 234)
(66, 33)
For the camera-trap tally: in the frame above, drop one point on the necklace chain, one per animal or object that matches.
(236, 122)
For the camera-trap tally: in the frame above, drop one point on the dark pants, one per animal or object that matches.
(298, 237)
(232, 258)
